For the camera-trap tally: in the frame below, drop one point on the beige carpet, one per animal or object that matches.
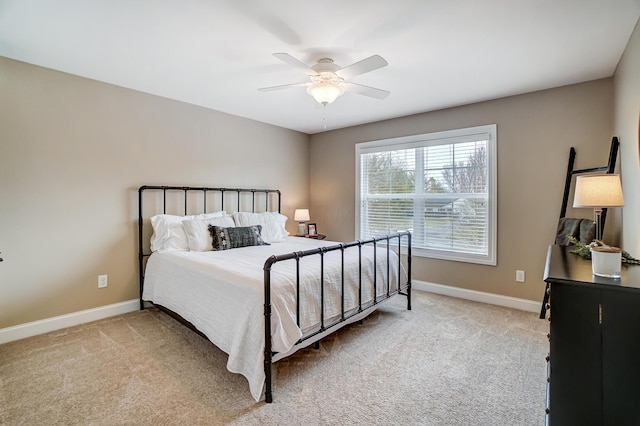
(446, 362)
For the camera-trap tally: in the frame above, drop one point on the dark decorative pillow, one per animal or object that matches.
(239, 236)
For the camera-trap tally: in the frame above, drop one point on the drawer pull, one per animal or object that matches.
(600, 313)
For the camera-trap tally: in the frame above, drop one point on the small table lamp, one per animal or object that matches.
(301, 216)
(598, 192)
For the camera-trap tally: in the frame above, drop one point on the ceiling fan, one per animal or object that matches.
(327, 80)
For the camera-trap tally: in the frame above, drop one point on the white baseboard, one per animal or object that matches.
(478, 296)
(34, 328)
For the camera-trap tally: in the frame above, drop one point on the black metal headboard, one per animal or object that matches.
(272, 198)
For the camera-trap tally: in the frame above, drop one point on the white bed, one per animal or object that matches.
(206, 261)
(222, 294)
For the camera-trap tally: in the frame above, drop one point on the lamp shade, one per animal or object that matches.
(598, 191)
(325, 92)
(301, 215)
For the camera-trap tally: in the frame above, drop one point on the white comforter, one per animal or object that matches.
(222, 294)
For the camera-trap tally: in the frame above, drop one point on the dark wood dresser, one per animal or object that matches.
(594, 360)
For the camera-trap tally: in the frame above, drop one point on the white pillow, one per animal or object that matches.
(168, 233)
(273, 223)
(198, 234)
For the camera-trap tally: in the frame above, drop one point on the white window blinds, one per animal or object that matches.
(441, 186)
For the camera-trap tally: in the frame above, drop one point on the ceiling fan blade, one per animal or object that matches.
(284, 86)
(366, 90)
(285, 57)
(369, 64)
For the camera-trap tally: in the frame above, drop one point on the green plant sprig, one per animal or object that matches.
(584, 250)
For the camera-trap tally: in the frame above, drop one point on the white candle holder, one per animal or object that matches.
(606, 261)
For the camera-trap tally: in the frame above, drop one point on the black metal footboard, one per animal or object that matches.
(321, 251)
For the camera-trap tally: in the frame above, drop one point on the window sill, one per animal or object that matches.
(453, 256)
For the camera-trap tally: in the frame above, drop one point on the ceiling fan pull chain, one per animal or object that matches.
(324, 115)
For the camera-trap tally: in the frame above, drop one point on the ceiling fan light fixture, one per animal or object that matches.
(327, 80)
(325, 92)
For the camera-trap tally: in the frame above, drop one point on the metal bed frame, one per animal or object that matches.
(325, 329)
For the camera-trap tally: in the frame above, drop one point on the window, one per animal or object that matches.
(441, 186)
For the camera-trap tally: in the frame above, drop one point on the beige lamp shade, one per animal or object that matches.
(598, 191)
(301, 215)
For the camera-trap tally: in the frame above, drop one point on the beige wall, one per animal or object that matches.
(627, 125)
(74, 151)
(535, 132)
(72, 154)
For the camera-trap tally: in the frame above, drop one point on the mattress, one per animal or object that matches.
(222, 294)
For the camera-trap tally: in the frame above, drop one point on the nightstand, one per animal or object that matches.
(316, 236)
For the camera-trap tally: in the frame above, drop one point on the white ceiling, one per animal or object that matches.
(216, 53)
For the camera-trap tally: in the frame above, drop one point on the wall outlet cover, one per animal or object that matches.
(102, 281)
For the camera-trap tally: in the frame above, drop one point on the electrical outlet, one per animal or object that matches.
(520, 276)
(102, 281)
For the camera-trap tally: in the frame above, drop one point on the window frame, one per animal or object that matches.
(438, 138)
